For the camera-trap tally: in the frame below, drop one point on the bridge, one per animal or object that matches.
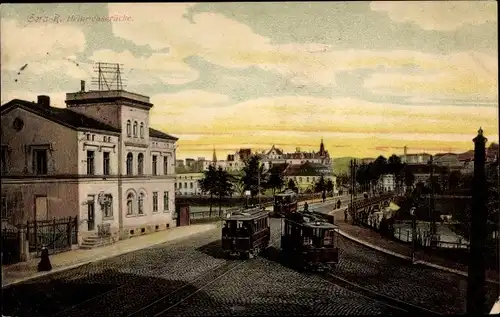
(360, 210)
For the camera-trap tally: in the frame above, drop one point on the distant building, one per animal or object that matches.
(186, 184)
(418, 158)
(179, 163)
(306, 176)
(387, 182)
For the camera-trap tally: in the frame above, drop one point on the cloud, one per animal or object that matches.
(231, 44)
(45, 44)
(159, 65)
(439, 15)
(466, 75)
(186, 110)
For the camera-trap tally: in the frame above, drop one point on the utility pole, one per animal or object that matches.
(476, 270)
(413, 234)
(432, 205)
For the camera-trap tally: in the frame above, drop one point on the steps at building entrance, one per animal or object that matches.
(92, 242)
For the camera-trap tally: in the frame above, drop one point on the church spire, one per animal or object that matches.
(321, 148)
(214, 157)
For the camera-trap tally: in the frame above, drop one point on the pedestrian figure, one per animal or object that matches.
(345, 215)
(338, 203)
(44, 264)
(306, 207)
(323, 196)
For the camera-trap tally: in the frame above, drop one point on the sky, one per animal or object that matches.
(367, 77)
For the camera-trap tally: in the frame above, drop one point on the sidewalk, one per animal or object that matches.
(21, 272)
(372, 239)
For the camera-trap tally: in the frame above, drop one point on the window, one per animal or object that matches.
(155, 201)
(4, 207)
(191, 185)
(130, 204)
(175, 185)
(40, 162)
(107, 208)
(90, 163)
(130, 161)
(140, 164)
(140, 204)
(165, 165)
(88, 136)
(93, 137)
(105, 163)
(135, 129)
(154, 165)
(165, 201)
(141, 131)
(185, 185)
(4, 159)
(129, 129)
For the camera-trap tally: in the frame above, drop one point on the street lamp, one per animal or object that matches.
(248, 193)
(258, 180)
(414, 229)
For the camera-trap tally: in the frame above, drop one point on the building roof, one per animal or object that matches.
(306, 169)
(278, 151)
(161, 135)
(62, 116)
(424, 168)
(281, 167)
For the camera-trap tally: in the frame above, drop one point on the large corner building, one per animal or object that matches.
(97, 159)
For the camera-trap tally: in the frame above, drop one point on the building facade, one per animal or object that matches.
(97, 159)
(187, 184)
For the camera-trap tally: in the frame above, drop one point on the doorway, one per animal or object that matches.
(91, 213)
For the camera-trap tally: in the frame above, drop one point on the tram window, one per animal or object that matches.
(328, 238)
(307, 241)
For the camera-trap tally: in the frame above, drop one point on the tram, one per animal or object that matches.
(285, 203)
(309, 241)
(246, 232)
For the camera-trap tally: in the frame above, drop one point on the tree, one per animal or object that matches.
(342, 179)
(409, 178)
(394, 166)
(208, 183)
(329, 186)
(252, 170)
(275, 181)
(320, 185)
(291, 185)
(224, 186)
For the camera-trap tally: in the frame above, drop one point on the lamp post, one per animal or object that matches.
(413, 234)
(476, 269)
(258, 180)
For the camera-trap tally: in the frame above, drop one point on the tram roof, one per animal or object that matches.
(312, 219)
(287, 193)
(247, 214)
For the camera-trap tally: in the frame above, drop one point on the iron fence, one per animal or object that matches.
(57, 235)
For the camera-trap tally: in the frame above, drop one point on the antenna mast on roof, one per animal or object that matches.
(109, 76)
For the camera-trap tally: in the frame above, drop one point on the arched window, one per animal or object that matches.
(140, 164)
(141, 131)
(129, 129)
(140, 204)
(130, 162)
(135, 129)
(130, 204)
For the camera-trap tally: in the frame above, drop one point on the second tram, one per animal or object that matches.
(246, 232)
(285, 203)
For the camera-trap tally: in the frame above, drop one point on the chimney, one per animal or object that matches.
(44, 101)
(82, 85)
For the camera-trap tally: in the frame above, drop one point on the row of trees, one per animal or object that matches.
(219, 183)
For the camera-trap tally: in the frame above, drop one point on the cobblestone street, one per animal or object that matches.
(188, 277)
